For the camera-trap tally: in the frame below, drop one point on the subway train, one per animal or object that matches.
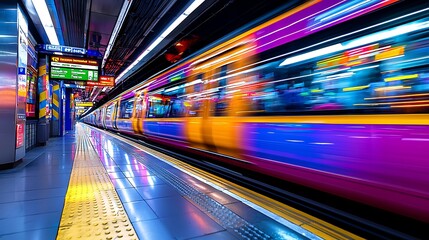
(332, 95)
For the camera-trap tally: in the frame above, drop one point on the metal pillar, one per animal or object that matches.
(44, 99)
(69, 110)
(56, 109)
(13, 65)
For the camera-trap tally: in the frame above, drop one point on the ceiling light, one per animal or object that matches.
(45, 18)
(194, 5)
(124, 11)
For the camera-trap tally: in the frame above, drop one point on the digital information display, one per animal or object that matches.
(105, 81)
(75, 69)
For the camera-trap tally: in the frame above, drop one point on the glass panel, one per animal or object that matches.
(126, 108)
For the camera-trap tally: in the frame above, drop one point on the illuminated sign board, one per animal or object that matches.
(75, 69)
(105, 81)
(64, 49)
(84, 104)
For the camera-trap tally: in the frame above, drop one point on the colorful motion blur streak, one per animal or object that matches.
(345, 113)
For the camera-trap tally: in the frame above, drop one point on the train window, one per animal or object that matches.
(178, 108)
(109, 112)
(159, 106)
(374, 78)
(220, 99)
(199, 86)
(195, 107)
(139, 107)
(126, 108)
(174, 103)
(193, 101)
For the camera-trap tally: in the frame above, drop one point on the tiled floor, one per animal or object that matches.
(161, 202)
(32, 194)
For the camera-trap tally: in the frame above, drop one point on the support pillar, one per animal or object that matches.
(13, 66)
(44, 99)
(56, 109)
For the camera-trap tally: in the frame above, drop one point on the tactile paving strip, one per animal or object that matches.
(92, 208)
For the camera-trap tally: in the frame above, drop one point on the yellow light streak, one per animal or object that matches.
(402, 77)
(349, 89)
(393, 52)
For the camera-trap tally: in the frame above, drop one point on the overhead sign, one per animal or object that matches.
(75, 69)
(64, 49)
(84, 104)
(104, 81)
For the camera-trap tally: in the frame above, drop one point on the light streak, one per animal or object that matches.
(391, 88)
(403, 77)
(349, 89)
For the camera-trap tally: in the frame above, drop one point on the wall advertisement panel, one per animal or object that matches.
(21, 83)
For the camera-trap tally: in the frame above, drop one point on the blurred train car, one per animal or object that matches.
(333, 95)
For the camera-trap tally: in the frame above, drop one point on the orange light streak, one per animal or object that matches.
(391, 103)
(416, 105)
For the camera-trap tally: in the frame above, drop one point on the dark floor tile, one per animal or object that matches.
(139, 211)
(152, 229)
(32, 195)
(191, 224)
(143, 181)
(136, 173)
(247, 213)
(127, 167)
(171, 206)
(157, 191)
(121, 183)
(277, 230)
(128, 195)
(39, 234)
(31, 207)
(110, 169)
(222, 198)
(224, 235)
(28, 223)
(200, 186)
(116, 175)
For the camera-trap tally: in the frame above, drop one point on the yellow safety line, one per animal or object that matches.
(317, 226)
(92, 208)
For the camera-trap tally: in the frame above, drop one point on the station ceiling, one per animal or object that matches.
(90, 24)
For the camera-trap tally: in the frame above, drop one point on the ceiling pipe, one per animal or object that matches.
(121, 18)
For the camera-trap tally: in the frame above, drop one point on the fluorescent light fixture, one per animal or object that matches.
(194, 5)
(174, 25)
(124, 11)
(371, 38)
(46, 20)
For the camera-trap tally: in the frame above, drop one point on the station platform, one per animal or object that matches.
(91, 184)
